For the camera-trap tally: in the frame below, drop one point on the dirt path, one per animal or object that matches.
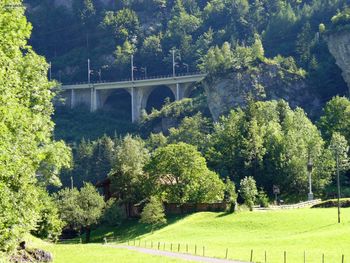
(177, 255)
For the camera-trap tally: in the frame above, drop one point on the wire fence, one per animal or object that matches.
(252, 255)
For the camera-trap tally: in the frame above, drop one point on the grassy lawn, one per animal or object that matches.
(312, 230)
(93, 253)
(96, 253)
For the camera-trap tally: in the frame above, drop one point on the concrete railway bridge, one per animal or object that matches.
(96, 95)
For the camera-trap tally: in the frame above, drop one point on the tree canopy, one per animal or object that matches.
(182, 175)
(29, 155)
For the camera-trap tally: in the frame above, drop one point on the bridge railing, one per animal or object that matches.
(136, 79)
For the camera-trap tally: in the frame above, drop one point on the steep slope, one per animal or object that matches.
(339, 46)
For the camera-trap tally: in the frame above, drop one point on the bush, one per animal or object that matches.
(263, 199)
(153, 213)
(113, 214)
(230, 195)
(248, 191)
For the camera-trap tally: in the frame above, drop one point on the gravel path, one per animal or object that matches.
(177, 255)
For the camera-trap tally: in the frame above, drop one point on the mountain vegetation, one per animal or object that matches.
(108, 32)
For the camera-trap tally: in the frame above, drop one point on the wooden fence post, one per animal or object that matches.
(178, 247)
(195, 249)
(265, 257)
(186, 248)
(304, 257)
(342, 259)
(322, 258)
(251, 255)
(158, 245)
(285, 257)
(203, 251)
(171, 246)
(226, 253)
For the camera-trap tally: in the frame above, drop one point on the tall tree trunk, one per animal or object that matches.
(87, 234)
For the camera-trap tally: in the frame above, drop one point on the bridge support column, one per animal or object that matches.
(93, 102)
(72, 98)
(137, 106)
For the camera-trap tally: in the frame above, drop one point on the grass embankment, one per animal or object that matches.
(93, 253)
(315, 231)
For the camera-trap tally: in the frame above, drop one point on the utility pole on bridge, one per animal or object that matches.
(132, 68)
(174, 63)
(89, 71)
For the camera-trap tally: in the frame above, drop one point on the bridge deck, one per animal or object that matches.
(157, 81)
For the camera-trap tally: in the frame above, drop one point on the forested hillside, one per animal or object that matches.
(69, 32)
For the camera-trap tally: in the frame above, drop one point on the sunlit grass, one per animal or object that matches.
(314, 231)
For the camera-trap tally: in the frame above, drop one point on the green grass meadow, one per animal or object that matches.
(314, 231)
(97, 253)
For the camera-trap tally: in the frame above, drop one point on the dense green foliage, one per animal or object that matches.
(266, 140)
(109, 33)
(49, 225)
(29, 156)
(92, 162)
(272, 143)
(113, 215)
(128, 178)
(340, 148)
(341, 19)
(336, 118)
(182, 175)
(72, 125)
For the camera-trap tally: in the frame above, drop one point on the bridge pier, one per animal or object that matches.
(72, 99)
(93, 100)
(136, 103)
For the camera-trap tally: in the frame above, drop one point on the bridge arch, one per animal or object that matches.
(155, 97)
(115, 101)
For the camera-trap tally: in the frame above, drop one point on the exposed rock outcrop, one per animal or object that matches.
(339, 46)
(265, 82)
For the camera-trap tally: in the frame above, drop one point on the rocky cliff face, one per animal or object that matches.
(339, 46)
(265, 82)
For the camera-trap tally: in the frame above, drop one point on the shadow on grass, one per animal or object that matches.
(130, 229)
(223, 214)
